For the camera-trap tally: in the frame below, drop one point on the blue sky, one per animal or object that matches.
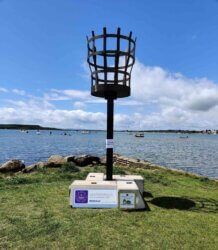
(43, 74)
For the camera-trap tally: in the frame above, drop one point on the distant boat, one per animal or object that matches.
(184, 137)
(139, 135)
(38, 132)
(85, 132)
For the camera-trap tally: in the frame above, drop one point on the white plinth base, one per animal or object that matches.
(124, 192)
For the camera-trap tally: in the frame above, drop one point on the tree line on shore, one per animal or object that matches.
(38, 127)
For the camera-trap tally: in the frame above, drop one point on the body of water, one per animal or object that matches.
(197, 154)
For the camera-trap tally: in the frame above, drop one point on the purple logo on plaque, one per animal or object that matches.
(81, 196)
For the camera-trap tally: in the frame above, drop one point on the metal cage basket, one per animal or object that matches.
(111, 58)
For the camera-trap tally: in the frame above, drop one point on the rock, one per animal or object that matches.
(56, 161)
(69, 158)
(103, 160)
(12, 166)
(42, 164)
(130, 162)
(84, 160)
(36, 166)
(30, 168)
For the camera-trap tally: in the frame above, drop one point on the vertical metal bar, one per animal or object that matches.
(109, 141)
(117, 57)
(134, 46)
(88, 58)
(105, 54)
(127, 58)
(95, 58)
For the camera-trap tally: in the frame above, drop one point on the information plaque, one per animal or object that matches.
(89, 198)
(127, 200)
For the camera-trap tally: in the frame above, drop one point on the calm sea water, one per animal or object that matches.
(197, 154)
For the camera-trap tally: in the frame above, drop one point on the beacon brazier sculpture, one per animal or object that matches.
(110, 58)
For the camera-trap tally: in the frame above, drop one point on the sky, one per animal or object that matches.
(45, 80)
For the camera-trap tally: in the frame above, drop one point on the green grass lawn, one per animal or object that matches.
(35, 213)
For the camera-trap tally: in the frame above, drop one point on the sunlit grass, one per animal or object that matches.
(35, 213)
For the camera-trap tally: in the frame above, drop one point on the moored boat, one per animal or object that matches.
(85, 132)
(139, 135)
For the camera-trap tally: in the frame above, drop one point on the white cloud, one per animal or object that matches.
(3, 90)
(39, 112)
(84, 97)
(181, 102)
(19, 91)
(79, 105)
(67, 94)
(156, 85)
(129, 102)
(160, 100)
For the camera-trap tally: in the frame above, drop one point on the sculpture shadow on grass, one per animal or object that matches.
(147, 194)
(206, 205)
(195, 204)
(173, 203)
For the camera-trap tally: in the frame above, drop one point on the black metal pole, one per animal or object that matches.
(109, 141)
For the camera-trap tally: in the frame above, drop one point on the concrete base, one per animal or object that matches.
(95, 177)
(124, 192)
(138, 179)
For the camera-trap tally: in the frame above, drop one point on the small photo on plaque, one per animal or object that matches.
(127, 200)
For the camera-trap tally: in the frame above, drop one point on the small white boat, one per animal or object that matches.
(139, 135)
(85, 132)
(38, 132)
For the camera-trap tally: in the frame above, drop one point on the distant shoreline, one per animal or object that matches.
(38, 127)
(25, 127)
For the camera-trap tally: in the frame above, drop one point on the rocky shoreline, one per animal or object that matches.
(57, 161)
(15, 166)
